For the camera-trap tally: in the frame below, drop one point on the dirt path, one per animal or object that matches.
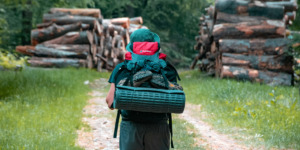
(100, 121)
(211, 139)
(100, 124)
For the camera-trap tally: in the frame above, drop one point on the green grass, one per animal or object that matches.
(270, 115)
(42, 108)
(184, 135)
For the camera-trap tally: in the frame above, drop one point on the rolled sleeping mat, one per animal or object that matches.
(149, 99)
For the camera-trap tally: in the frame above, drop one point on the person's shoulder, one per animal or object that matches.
(118, 67)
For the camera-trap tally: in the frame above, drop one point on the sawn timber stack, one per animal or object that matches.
(247, 40)
(79, 38)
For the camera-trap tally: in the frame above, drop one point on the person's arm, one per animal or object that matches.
(110, 96)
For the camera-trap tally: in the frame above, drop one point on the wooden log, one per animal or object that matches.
(62, 19)
(234, 18)
(290, 5)
(247, 8)
(71, 38)
(78, 12)
(290, 16)
(56, 62)
(296, 45)
(79, 48)
(282, 63)
(42, 51)
(276, 46)
(44, 25)
(268, 77)
(124, 22)
(25, 49)
(203, 39)
(246, 30)
(51, 32)
(136, 20)
(273, 0)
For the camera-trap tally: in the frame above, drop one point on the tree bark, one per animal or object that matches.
(276, 46)
(268, 77)
(246, 30)
(234, 18)
(80, 48)
(282, 63)
(25, 49)
(78, 12)
(247, 8)
(56, 62)
(71, 38)
(51, 32)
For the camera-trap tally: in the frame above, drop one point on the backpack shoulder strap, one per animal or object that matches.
(117, 123)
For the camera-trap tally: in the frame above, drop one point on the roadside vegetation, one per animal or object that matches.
(268, 115)
(42, 108)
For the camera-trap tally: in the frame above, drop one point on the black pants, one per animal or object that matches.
(144, 136)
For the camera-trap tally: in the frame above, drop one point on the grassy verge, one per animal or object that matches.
(184, 135)
(267, 114)
(42, 109)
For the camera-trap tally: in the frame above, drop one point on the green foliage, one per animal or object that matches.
(296, 23)
(9, 61)
(174, 21)
(265, 113)
(42, 109)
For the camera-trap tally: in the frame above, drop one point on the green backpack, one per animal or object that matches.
(147, 87)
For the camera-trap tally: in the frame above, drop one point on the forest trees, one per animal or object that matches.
(175, 21)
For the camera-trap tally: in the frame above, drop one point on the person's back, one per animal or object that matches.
(142, 130)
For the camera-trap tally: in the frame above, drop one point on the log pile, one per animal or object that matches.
(79, 38)
(246, 39)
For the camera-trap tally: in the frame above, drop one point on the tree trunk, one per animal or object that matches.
(280, 63)
(56, 62)
(246, 30)
(268, 77)
(54, 31)
(78, 12)
(276, 46)
(247, 8)
(71, 38)
(26, 23)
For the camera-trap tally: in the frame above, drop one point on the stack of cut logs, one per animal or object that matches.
(246, 39)
(79, 38)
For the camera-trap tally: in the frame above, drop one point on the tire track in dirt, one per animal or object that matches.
(211, 139)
